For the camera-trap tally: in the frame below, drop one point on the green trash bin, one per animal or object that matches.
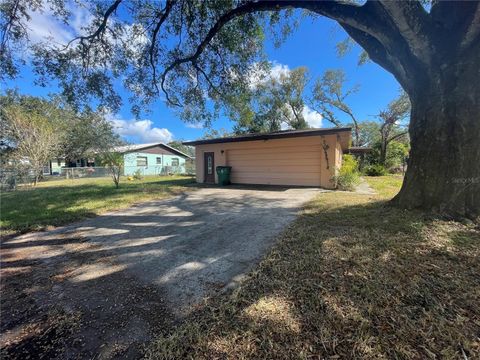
(223, 173)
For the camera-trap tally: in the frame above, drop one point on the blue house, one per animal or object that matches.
(147, 159)
(152, 159)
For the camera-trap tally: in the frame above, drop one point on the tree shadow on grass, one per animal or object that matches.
(36, 209)
(358, 281)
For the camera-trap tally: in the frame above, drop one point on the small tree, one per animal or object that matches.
(369, 133)
(330, 96)
(348, 175)
(114, 162)
(31, 136)
(271, 103)
(86, 134)
(177, 144)
(394, 124)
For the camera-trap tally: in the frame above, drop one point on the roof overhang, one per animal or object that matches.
(136, 148)
(359, 150)
(344, 133)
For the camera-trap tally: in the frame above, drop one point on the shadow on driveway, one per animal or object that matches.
(104, 286)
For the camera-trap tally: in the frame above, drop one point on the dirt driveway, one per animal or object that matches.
(103, 287)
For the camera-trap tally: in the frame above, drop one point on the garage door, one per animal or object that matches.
(285, 165)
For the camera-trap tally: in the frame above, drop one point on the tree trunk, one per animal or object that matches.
(443, 173)
(383, 151)
(36, 177)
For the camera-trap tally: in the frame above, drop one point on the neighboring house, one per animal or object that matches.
(298, 157)
(152, 159)
(149, 159)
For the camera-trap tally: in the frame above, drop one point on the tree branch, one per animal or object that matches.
(413, 24)
(12, 16)
(101, 28)
(354, 15)
(472, 34)
(210, 83)
(458, 24)
(377, 52)
(397, 136)
(164, 14)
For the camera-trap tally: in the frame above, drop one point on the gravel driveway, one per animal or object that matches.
(104, 286)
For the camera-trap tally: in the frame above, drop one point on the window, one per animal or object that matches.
(142, 161)
(46, 169)
(159, 161)
(209, 165)
(175, 162)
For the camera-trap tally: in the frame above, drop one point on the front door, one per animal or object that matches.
(209, 171)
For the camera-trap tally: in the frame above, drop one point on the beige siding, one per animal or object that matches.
(292, 164)
(291, 161)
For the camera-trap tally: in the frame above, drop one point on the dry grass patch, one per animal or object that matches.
(351, 278)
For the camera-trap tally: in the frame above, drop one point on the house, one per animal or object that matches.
(148, 159)
(294, 157)
(152, 159)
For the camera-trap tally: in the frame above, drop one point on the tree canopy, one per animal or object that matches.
(329, 96)
(191, 50)
(33, 127)
(271, 103)
(194, 53)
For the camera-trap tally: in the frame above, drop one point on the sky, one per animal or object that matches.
(312, 45)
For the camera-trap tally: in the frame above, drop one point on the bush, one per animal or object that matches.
(348, 175)
(396, 154)
(137, 175)
(375, 170)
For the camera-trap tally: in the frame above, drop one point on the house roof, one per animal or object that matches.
(137, 147)
(272, 135)
(359, 149)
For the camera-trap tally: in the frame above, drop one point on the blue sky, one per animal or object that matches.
(311, 45)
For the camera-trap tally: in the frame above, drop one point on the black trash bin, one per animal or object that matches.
(223, 173)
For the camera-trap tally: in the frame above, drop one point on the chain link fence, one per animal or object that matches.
(96, 172)
(14, 177)
(11, 179)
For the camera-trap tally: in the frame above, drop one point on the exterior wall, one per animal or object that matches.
(152, 168)
(338, 157)
(55, 167)
(288, 161)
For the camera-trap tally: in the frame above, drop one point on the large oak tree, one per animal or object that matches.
(195, 53)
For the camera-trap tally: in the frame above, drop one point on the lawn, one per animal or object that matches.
(59, 202)
(352, 277)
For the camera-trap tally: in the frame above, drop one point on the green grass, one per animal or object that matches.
(58, 202)
(352, 277)
(387, 186)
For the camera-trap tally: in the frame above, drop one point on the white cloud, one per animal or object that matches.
(142, 131)
(312, 118)
(279, 70)
(43, 26)
(194, 125)
(259, 75)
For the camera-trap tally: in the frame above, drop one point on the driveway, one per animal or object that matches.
(104, 286)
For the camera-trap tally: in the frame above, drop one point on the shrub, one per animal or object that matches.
(137, 175)
(396, 154)
(348, 175)
(375, 170)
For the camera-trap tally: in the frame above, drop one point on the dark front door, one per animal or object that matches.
(209, 171)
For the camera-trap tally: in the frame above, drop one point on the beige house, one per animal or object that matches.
(299, 157)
